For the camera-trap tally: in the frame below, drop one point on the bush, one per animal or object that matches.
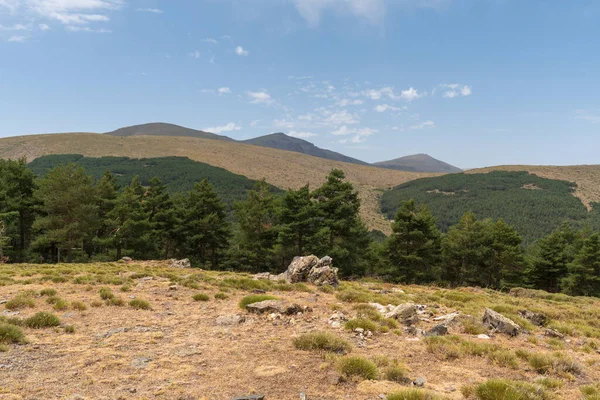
(255, 299)
(61, 305)
(412, 394)
(69, 329)
(125, 288)
(96, 304)
(473, 326)
(221, 296)
(140, 304)
(367, 311)
(20, 302)
(322, 341)
(115, 301)
(365, 324)
(396, 373)
(354, 296)
(357, 367)
(53, 299)
(591, 392)
(106, 294)
(48, 292)
(504, 358)
(11, 334)
(201, 297)
(443, 348)
(326, 289)
(42, 320)
(504, 389)
(78, 305)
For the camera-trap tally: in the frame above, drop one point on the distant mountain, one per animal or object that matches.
(282, 141)
(418, 163)
(163, 129)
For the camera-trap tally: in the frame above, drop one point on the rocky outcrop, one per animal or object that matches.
(535, 318)
(185, 263)
(500, 323)
(307, 269)
(405, 313)
(274, 306)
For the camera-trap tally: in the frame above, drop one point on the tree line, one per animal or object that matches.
(67, 216)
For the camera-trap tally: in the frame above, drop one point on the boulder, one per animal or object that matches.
(230, 320)
(185, 263)
(553, 333)
(300, 268)
(535, 318)
(406, 313)
(438, 330)
(306, 269)
(448, 319)
(274, 307)
(500, 323)
(126, 259)
(325, 275)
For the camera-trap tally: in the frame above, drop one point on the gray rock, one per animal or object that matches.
(483, 336)
(140, 362)
(274, 307)
(307, 269)
(185, 263)
(406, 313)
(554, 333)
(535, 318)
(111, 332)
(251, 397)
(230, 320)
(127, 259)
(3, 301)
(420, 382)
(500, 323)
(438, 330)
(10, 313)
(448, 319)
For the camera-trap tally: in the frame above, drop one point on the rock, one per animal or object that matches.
(406, 313)
(8, 313)
(3, 301)
(438, 330)
(230, 320)
(258, 291)
(535, 318)
(251, 397)
(500, 323)
(413, 331)
(483, 336)
(448, 319)
(185, 263)
(325, 275)
(307, 269)
(333, 378)
(554, 333)
(302, 396)
(126, 259)
(140, 362)
(299, 269)
(173, 287)
(111, 332)
(420, 382)
(274, 307)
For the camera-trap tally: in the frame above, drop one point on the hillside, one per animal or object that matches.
(418, 162)
(178, 173)
(163, 129)
(281, 168)
(282, 141)
(213, 349)
(534, 205)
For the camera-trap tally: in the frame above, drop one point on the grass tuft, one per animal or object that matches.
(504, 389)
(255, 298)
(139, 304)
(48, 292)
(357, 367)
(412, 394)
(322, 341)
(11, 334)
(221, 296)
(42, 320)
(201, 297)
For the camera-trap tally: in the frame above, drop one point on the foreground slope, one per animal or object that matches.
(418, 162)
(176, 349)
(283, 169)
(282, 141)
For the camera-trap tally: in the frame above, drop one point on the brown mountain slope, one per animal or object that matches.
(281, 168)
(587, 177)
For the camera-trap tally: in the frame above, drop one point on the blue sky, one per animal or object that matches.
(471, 82)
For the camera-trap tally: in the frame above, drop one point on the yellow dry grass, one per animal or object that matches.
(281, 168)
(587, 177)
(176, 350)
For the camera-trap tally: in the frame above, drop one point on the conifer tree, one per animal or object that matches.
(583, 277)
(297, 223)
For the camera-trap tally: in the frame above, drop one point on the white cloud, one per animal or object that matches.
(43, 27)
(590, 116)
(408, 94)
(424, 125)
(73, 28)
(240, 51)
(260, 97)
(342, 131)
(452, 90)
(15, 27)
(151, 10)
(210, 40)
(282, 123)
(17, 39)
(349, 102)
(224, 90)
(195, 54)
(360, 134)
(224, 128)
(369, 10)
(342, 117)
(305, 117)
(302, 135)
(386, 107)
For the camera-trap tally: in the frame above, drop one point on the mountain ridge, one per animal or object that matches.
(418, 162)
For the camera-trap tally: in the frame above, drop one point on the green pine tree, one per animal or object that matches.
(414, 248)
(506, 264)
(583, 277)
(108, 191)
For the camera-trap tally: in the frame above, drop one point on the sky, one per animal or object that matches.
(472, 82)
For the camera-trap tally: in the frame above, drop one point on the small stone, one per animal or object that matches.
(554, 333)
(302, 396)
(127, 259)
(10, 313)
(335, 324)
(419, 382)
(3, 301)
(230, 320)
(251, 397)
(438, 330)
(359, 330)
(483, 336)
(173, 287)
(140, 362)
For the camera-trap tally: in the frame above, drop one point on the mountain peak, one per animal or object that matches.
(164, 129)
(418, 162)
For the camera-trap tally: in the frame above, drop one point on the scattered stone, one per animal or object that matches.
(537, 319)
(483, 336)
(333, 378)
(126, 259)
(553, 333)
(413, 331)
(10, 313)
(111, 332)
(448, 319)
(3, 301)
(258, 291)
(251, 397)
(185, 263)
(274, 307)
(406, 313)
(336, 319)
(420, 382)
(500, 323)
(173, 287)
(68, 314)
(140, 362)
(146, 278)
(302, 396)
(438, 330)
(230, 320)
(307, 269)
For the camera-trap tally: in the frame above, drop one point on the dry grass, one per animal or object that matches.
(177, 350)
(281, 168)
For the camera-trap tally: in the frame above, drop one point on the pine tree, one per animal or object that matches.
(162, 216)
(583, 277)
(297, 223)
(108, 191)
(341, 232)
(414, 248)
(506, 263)
(69, 207)
(206, 225)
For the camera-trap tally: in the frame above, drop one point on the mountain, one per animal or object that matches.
(163, 129)
(282, 141)
(418, 163)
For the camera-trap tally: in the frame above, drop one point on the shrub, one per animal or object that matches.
(61, 305)
(106, 294)
(395, 373)
(96, 303)
(478, 349)
(591, 392)
(365, 324)
(322, 341)
(354, 296)
(53, 299)
(326, 289)
(11, 334)
(125, 288)
(42, 320)
(357, 367)
(69, 329)
(541, 363)
(48, 292)
(412, 394)
(221, 296)
(140, 304)
(20, 302)
(246, 284)
(78, 305)
(549, 383)
(504, 358)
(473, 326)
(504, 389)
(367, 311)
(201, 297)
(443, 348)
(255, 299)
(115, 301)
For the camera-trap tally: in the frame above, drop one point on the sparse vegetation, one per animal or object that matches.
(221, 296)
(69, 329)
(106, 294)
(504, 389)
(255, 298)
(357, 367)
(60, 305)
(78, 305)
(413, 394)
(11, 334)
(139, 304)
(42, 320)
(201, 297)
(322, 341)
(20, 302)
(48, 292)
(365, 324)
